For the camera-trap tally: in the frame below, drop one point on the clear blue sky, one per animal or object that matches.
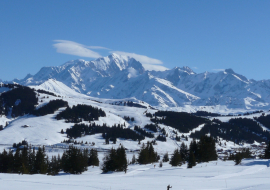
(204, 35)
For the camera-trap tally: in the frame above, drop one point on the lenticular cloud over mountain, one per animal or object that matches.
(141, 58)
(73, 48)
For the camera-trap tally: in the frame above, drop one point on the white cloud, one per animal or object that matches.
(132, 72)
(73, 48)
(97, 47)
(195, 68)
(148, 63)
(141, 58)
(150, 67)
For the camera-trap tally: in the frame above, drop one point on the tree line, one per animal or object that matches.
(202, 151)
(238, 130)
(19, 101)
(143, 132)
(206, 114)
(80, 112)
(75, 161)
(128, 103)
(183, 122)
(46, 92)
(110, 133)
(264, 119)
(151, 127)
(30, 161)
(50, 108)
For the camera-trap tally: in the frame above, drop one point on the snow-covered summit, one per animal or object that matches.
(74, 72)
(115, 63)
(188, 70)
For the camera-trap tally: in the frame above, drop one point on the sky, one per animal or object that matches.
(204, 35)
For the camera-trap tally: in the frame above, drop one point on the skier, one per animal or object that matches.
(168, 187)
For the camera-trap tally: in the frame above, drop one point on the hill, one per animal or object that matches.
(51, 121)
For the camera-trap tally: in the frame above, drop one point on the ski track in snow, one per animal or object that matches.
(248, 171)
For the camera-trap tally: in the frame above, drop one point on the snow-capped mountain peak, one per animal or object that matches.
(237, 76)
(230, 71)
(188, 70)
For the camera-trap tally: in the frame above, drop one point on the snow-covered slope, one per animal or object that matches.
(59, 88)
(118, 77)
(45, 130)
(215, 175)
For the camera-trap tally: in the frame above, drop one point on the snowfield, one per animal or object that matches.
(250, 175)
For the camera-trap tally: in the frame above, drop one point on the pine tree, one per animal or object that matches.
(40, 164)
(74, 161)
(115, 160)
(194, 148)
(143, 156)
(147, 154)
(267, 151)
(10, 162)
(184, 152)
(109, 161)
(207, 149)
(133, 161)
(121, 159)
(17, 161)
(191, 160)
(93, 158)
(238, 158)
(166, 157)
(246, 153)
(31, 160)
(4, 162)
(160, 164)
(54, 165)
(25, 161)
(152, 156)
(176, 159)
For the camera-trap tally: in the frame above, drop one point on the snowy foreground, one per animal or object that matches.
(251, 175)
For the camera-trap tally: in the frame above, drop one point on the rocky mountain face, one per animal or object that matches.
(117, 77)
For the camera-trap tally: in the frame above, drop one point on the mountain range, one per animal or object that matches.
(117, 77)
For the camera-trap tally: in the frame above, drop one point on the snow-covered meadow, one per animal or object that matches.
(250, 175)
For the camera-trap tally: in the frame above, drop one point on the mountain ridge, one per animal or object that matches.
(117, 77)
